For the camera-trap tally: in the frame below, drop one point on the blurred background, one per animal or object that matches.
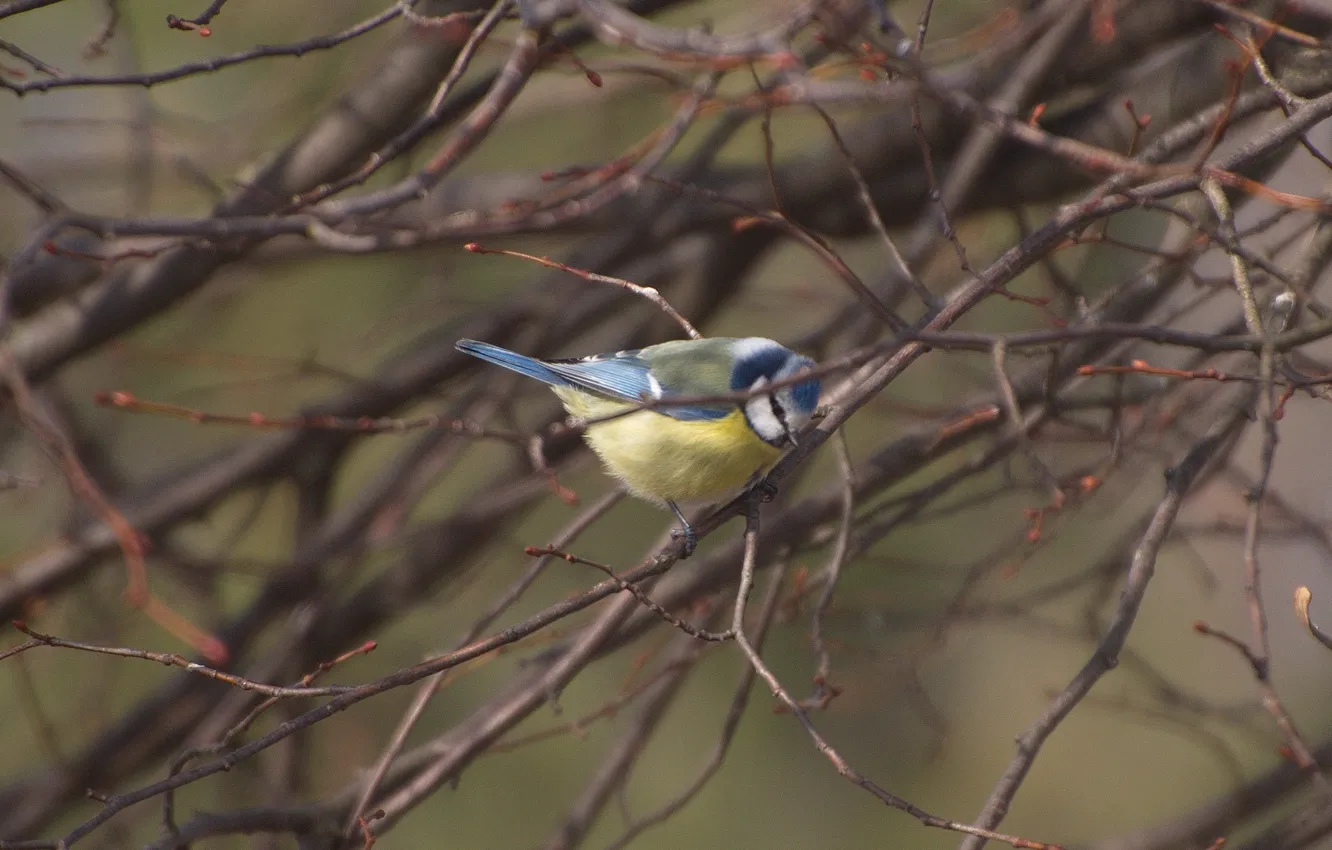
(982, 564)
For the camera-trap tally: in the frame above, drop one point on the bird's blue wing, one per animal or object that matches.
(512, 360)
(622, 375)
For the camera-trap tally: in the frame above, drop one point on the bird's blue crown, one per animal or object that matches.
(776, 363)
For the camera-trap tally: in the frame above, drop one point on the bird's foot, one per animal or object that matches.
(685, 531)
(690, 539)
(763, 488)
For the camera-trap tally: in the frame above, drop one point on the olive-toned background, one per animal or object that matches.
(930, 702)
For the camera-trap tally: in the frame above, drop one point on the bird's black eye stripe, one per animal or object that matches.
(780, 412)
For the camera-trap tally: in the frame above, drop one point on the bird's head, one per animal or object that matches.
(777, 416)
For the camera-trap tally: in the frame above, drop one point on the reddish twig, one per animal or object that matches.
(171, 659)
(1262, 23)
(1142, 367)
(648, 292)
(132, 545)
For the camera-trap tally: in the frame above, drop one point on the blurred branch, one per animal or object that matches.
(1221, 815)
(1179, 480)
(324, 42)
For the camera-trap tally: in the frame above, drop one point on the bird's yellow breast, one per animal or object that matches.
(664, 459)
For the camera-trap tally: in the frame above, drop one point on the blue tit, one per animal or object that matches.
(687, 453)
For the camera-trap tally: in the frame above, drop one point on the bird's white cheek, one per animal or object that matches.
(764, 422)
(796, 417)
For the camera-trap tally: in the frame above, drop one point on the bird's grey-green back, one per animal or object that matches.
(692, 366)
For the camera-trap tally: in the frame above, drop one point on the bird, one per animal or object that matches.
(673, 454)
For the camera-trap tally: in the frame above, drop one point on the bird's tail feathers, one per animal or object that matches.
(512, 360)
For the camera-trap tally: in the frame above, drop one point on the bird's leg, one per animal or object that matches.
(685, 530)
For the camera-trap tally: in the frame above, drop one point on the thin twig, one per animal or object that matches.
(928, 298)
(121, 400)
(37, 64)
(648, 292)
(1179, 480)
(780, 692)
(171, 659)
(58, 446)
(431, 686)
(637, 592)
(47, 201)
(732, 722)
(217, 63)
(430, 117)
(1258, 651)
(1262, 23)
(823, 691)
(239, 728)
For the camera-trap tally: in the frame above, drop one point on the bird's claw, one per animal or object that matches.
(690, 539)
(765, 490)
(685, 531)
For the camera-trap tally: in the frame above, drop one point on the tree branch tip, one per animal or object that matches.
(213, 649)
(177, 23)
(1302, 598)
(549, 551)
(114, 398)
